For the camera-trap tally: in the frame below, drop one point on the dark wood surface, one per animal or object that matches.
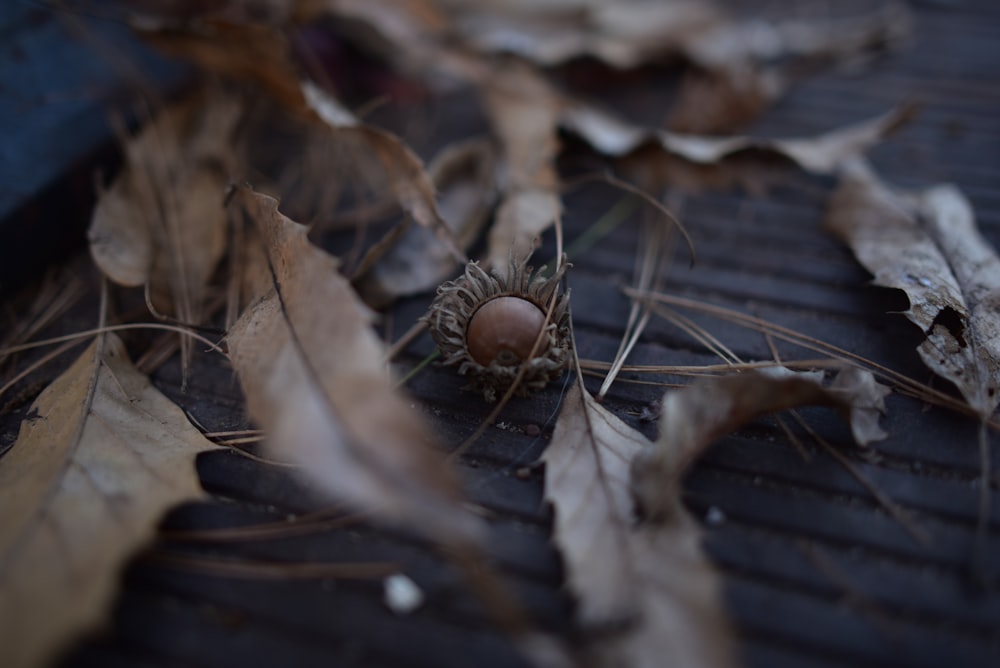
(62, 75)
(816, 572)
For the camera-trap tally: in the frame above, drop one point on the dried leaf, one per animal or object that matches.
(679, 603)
(652, 578)
(744, 65)
(692, 418)
(380, 155)
(260, 53)
(927, 245)
(738, 43)
(104, 455)
(630, 33)
(524, 111)
(741, 65)
(315, 378)
(722, 102)
(162, 222)
(465, 177)
(586, 480)
(822, 154)
(623, 34)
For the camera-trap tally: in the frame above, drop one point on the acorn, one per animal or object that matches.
(486, 324)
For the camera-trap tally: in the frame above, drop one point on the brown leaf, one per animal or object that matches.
(104, 455)
(623, 34)
(382, 156)
(739, 43)
(691, 419)
(524, 111)
(261, 53)
(652, 578)
(679, 603)
(315, 378)
(741, 65)
(927, 245)
(822, 154)
(722, 102)
(465, 177)
(630, 33)
(162, 222)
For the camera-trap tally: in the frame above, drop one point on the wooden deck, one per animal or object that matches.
(816, 572)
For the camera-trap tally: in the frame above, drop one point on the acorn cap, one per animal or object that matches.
(486, 324)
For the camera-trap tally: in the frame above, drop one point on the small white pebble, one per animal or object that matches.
(715, 516)
(402, 595)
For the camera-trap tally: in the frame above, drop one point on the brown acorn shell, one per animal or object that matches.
(494, 358)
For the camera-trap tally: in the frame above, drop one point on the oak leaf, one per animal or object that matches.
(162, 222)
(927, 245)
(625, 34)
(103, 455)
(822, 154)
(315, 378)
(651, 578)
(692, 418)
(630, 33)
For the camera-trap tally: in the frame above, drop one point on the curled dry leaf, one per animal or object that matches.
(692, 418)
(735, 74)
(622, 34)
(315, 379)
(104, 455)
(927, 245)
(653, 579)
(630, 33)
(465, 177)
(524, 112)
(527, 112)
(737, 71)
(822, 154)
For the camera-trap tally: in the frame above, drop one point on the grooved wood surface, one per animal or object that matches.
(816, 572)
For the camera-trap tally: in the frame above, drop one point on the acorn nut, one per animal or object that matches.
(487, 324)
(504, 330)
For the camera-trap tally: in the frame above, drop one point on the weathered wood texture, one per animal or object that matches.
(817, 573)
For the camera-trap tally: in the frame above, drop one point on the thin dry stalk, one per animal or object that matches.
(304, 525)
(649, 273)
(901, 382)
(111, 328)
(264, 570)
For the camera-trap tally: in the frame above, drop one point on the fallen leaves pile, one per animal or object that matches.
(199, 224)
